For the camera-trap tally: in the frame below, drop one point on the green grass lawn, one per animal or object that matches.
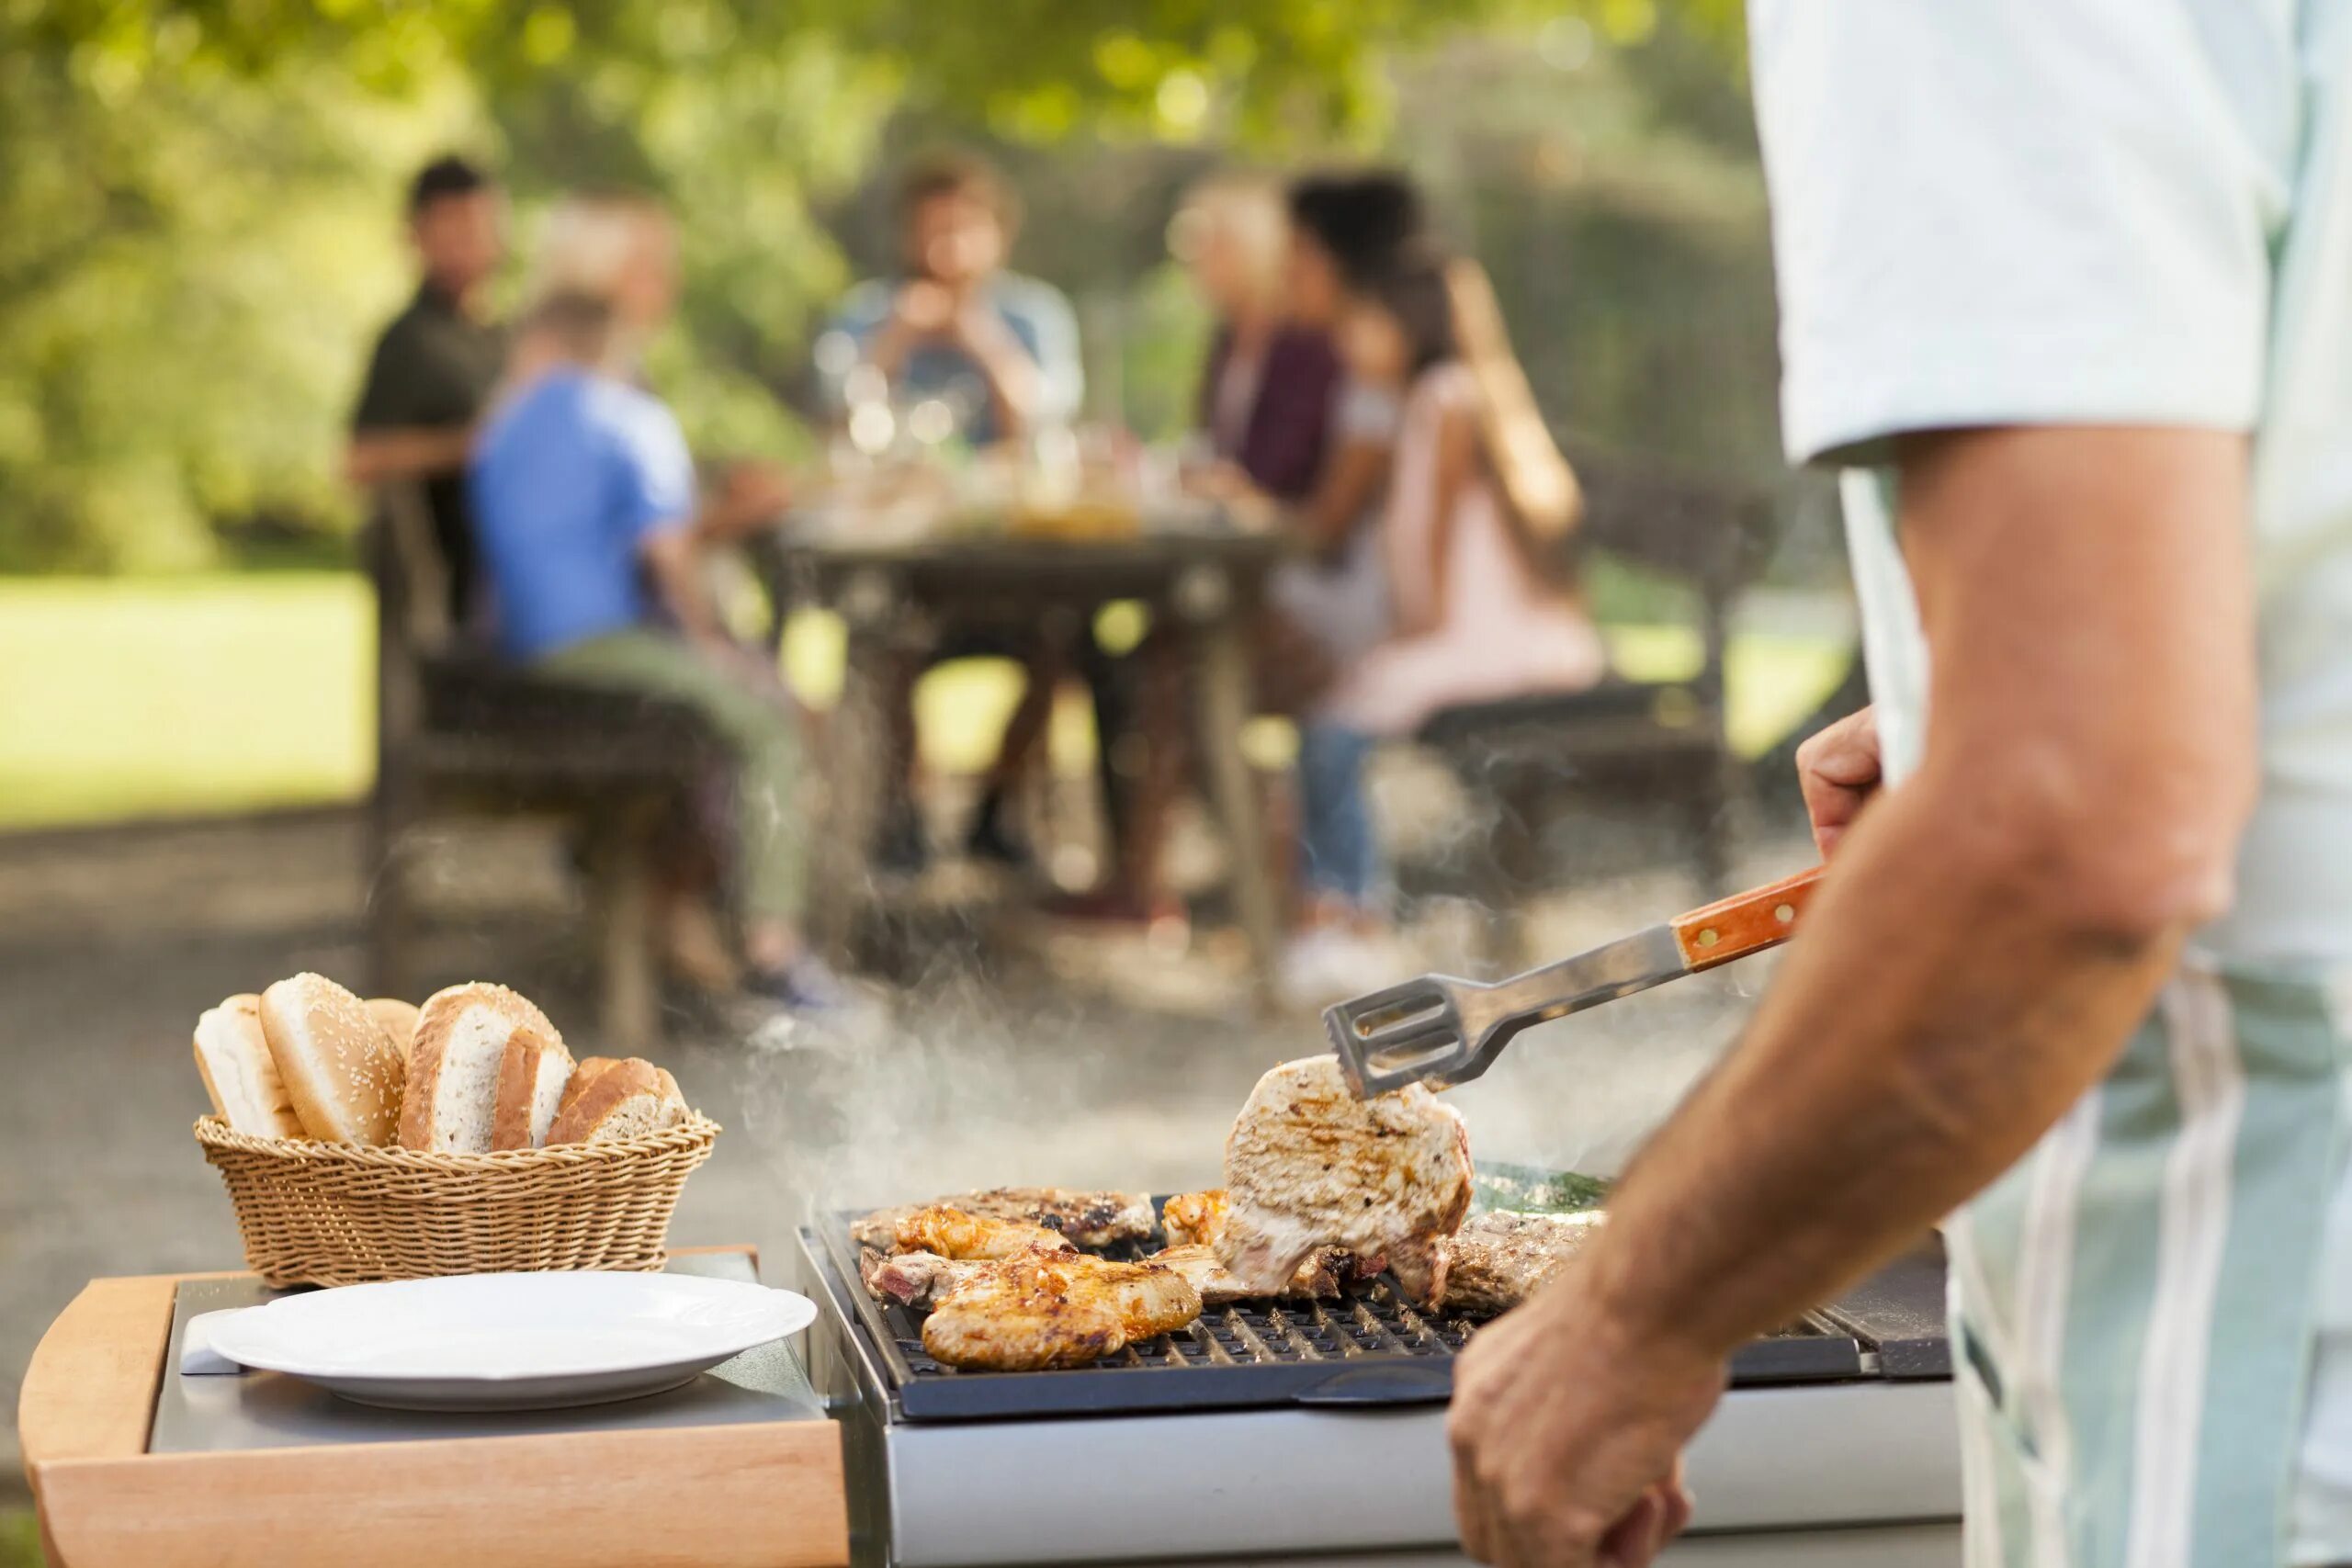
(19, 1539)
(181, 697)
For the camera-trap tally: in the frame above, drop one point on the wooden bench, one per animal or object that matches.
(459, 733)
(1532, 760)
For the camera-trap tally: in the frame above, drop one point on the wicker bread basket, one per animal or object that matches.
(319, 1213)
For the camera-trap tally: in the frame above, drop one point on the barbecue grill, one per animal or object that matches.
(1278, 1431)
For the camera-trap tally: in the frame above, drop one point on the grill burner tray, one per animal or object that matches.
(1366, 1347)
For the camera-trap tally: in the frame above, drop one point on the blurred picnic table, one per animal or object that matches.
(1199, 572)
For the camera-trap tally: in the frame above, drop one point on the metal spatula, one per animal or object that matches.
(1441, 1031)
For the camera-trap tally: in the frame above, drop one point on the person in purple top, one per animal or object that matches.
(1270, 381)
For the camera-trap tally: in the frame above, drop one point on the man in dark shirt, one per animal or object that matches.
(437, 363)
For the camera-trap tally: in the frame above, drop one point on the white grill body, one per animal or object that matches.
(1833, 1475)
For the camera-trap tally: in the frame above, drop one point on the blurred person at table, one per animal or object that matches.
(1293, 426)
(1479, 504)
(1348, 231)
(1269, 382)
(435, 363)
(595, 541)
(1268, 390)
(1000, 352)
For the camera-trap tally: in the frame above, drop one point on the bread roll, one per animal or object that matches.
(626, 1100)
(532, 1078)
(233, 1057)
(397, 1019)
(341, 1071)
(461, 1035)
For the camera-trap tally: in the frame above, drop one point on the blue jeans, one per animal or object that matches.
(1342, 852)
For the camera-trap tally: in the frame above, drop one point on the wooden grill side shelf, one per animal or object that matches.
(766, 1496)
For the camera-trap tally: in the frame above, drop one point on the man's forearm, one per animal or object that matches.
(1012, 380)
(380, 457)
(1936, 1016)
(1991, 930)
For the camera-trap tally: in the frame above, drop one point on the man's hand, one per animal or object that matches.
(1839, 771)
(923, 309)
(1568, 1429)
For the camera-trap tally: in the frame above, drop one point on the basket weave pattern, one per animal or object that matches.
(319, 1213)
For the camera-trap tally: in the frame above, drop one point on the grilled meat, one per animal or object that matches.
(1195, 1218)
(916, 1279)
(1316, 1277)
(954, 1233)
(1088, 1219)
(1501, 1258)
(1309, 1164)
(1042, 1310)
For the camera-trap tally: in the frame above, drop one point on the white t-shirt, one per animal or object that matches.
(2097, 211)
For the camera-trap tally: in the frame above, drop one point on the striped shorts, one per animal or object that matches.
(2136, 1304)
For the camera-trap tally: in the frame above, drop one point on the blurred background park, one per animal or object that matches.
(201, 233)
(201, 236)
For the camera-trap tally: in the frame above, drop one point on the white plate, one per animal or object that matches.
(510, 1341)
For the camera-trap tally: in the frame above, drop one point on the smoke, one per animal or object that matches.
(1585, 1093)
(978, 1078)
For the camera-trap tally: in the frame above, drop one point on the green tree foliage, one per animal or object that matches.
(197, 198)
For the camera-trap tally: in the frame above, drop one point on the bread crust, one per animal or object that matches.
(341, 1071)
(518, 1082)
(437, 1019)
(587, 1071)
(608, 1089)
(239, 1019)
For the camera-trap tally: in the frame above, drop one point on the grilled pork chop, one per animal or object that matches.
(1197, 1220)
(1088, 1219)
(954, 1233)
(1501, 1258)
(1044, 1311)
(1316, 1277)
(1309, 1164)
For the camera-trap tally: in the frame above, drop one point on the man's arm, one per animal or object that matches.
(1987, 938)
(380, 457)
(1992, 930)
(673, 558)
(1015, 387)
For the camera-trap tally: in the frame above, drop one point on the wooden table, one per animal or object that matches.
(893, 597)
(763, 1494)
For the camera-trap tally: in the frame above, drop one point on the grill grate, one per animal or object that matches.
(1369, 1347)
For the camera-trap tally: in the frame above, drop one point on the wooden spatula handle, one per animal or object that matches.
(1745, 922)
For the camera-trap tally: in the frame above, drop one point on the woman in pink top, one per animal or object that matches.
(1479, 502)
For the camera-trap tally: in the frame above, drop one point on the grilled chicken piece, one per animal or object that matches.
(1195, 1219)
(1088, 1219)
(1501, 1258)
(1042, 1311)
(917, 1279)
(1309, 1164)
(954, 1233)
